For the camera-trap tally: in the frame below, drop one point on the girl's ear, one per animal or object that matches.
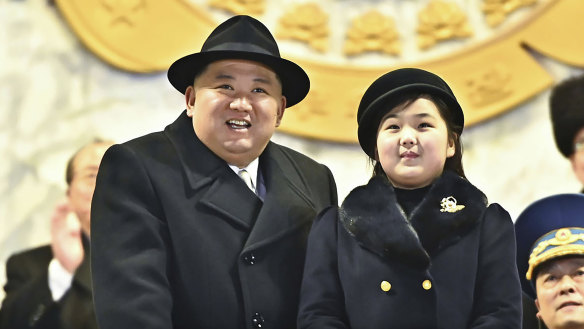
(451, 148)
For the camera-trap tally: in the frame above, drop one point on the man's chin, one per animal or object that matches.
(575, 321)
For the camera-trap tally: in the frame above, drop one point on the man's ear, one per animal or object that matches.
(190, 100)
(538, 309)
(281, 110)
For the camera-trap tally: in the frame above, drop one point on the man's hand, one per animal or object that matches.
(66, 237)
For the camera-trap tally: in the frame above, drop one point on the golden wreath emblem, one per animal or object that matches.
(448, 204)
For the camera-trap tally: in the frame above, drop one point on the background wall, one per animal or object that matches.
(55, 96)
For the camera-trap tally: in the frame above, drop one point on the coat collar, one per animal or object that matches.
(224, 192)
(82, 275)
(199, 163)
(372, 215)
(287, 203)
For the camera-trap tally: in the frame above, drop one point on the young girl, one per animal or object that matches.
(418, 246)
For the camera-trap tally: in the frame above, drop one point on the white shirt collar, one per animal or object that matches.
(251, 168)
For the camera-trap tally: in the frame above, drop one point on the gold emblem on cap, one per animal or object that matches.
(563, 234)
(385, 286)
(563, 243)
(448, 204)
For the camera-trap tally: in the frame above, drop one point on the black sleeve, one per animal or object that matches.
(28, 302)
(498, 291)
(129, 246)
(321, 297)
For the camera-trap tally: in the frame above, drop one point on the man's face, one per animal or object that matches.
(235, 106)
(560, 293)
(80, 191)
(577, 158)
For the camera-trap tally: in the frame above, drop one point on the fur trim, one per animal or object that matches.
(371, 214)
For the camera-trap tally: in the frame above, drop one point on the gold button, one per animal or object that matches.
(427, 285)
(385, 286)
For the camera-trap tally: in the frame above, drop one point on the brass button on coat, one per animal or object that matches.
(385, 286)
(427, 285)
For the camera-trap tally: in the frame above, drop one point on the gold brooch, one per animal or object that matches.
(449, 205)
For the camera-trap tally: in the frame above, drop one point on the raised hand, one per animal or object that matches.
(66, 237)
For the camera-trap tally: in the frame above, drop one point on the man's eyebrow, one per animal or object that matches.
(224, 76)
(89, 167)
(263, 80)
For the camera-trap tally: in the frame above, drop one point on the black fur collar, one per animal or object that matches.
(372, 215)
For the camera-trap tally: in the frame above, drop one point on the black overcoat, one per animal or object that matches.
(28, 302)
(368, 266)
(179, 240)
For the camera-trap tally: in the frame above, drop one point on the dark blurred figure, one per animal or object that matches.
(567, 114)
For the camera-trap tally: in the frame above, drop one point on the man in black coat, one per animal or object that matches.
(50, 286)
(204, 225)
(550, 260)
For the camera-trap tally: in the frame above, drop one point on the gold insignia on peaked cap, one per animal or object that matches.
(448, 204)
(560, 242)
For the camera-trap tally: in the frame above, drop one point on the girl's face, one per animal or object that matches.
(413, 144)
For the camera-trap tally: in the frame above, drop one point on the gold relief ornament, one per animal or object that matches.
(489, 85)
(496, 10)
(239, 7)
(123, 11)
(448, 204)
(305, 22)
(439, 21)
(311, 107)
(147, 48)
(372, 31)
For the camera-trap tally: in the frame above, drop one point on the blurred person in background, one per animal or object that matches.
(567, 115)
(50, 286)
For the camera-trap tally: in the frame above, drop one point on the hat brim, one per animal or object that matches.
(295, 82)
(372, 115)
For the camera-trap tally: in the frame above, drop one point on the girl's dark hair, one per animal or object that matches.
(454, 163)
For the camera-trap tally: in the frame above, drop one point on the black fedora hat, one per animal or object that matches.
(548, 228)
(242, 37)
(388, 89)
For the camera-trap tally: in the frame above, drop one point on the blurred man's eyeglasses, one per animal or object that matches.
(579, 146)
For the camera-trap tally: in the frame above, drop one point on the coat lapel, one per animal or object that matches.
(227, 197)
(287, 206)
(370, 213)
(222, 191)
(82, 276)
(436, 226)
